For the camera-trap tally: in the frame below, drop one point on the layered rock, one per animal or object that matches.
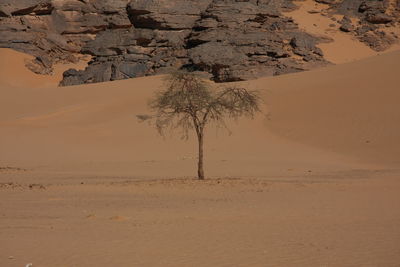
(56, 30)
(230, 39)
(154, 43)
(242, 40)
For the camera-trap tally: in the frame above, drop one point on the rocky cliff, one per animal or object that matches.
(230, 39)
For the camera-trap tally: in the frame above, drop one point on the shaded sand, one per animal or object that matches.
(313, 181)
(342, 112)
(344, 47)
(350, 109)
(13, 72)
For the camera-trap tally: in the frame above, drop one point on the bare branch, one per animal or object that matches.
(189, 102)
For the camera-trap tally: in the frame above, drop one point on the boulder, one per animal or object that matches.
(372, 6)
(379, 18)
(378, 40)
(26, 7)
(347, 7)
(162, 15)
(346, 24)
(4, 12)
(328, 2)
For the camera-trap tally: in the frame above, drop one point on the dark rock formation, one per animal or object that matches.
(378, 18)
(328, 2)
(54, 31)
(241, 40)
(372, 16)
(231, 39)
(346, 24)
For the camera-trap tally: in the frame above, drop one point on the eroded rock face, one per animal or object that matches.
(230, 39)
(56, 30)
(243, 40)
(373, 16)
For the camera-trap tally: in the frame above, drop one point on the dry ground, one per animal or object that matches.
(312, 181)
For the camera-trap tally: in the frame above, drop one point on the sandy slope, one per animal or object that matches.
(341, 109)
(13, 72)
(94, 128)
(318, 176)
(350, 109)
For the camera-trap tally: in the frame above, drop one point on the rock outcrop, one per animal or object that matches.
(373, 18)
(230, 39)
(56, 30)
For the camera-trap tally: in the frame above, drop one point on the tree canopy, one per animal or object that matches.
(189, 102)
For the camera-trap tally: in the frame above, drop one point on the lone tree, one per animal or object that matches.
(189, 102)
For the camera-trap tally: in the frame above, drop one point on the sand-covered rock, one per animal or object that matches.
(372, 16)
(233, 40)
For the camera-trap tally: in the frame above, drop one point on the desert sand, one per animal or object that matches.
(311, 181)
(14, 72)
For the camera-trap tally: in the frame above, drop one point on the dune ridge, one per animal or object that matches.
(312, 181)
(343, 110)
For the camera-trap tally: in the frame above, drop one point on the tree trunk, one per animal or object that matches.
(200, 170)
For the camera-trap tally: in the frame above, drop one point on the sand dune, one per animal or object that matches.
(351, 109)
(343, 112)
(14, 73)
(313, 181)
